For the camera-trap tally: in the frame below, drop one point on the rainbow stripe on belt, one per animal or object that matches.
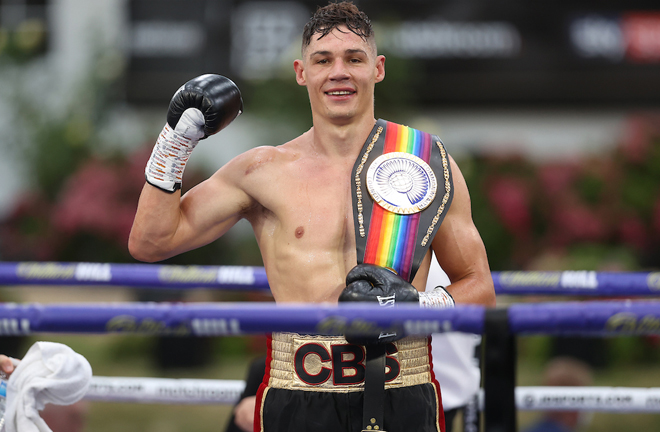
(391, 240)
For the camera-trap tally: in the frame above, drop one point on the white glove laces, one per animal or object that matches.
(439, 297)
(172, 150)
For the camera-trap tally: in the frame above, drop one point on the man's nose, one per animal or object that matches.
(339, 71)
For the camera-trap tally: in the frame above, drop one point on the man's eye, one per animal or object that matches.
(322, 61)
(356, 60)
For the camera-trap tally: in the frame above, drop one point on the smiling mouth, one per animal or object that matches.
(340, 93)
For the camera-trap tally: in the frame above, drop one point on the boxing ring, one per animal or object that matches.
(500, 326)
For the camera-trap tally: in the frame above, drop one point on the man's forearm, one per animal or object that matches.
(474, 289)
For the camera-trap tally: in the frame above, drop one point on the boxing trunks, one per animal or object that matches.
(316, 384)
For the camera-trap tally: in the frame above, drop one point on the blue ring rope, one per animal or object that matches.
(603, 318)
(569, 283)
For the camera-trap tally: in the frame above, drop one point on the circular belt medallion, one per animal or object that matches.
(401, 183)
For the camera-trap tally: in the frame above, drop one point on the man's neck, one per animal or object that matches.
(339, 139)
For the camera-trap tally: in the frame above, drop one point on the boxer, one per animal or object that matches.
(299, 199)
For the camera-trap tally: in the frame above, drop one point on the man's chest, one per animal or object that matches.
(310, 205)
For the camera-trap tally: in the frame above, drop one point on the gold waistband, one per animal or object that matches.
(408, 356)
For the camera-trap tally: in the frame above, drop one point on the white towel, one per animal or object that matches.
(49, 373)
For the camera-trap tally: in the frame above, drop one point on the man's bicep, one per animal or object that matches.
(211, 208)
(460, 250)
(462, 255)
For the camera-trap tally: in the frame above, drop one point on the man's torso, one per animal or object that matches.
(303, 220)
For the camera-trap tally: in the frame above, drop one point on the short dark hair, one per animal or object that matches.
(330, 17)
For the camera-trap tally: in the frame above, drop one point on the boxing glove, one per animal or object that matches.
(371, 283)
(375, 284)
(201, 107)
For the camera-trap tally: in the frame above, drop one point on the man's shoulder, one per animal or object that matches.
(259, 159)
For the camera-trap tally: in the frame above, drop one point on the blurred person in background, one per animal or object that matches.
(564, 372)
(242, 419)
(455, 365)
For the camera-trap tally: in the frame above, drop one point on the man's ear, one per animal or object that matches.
(299, 68)
(380, 68)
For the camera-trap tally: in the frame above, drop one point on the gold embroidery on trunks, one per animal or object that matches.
(437, 407)
(317, 364)
(261, 409)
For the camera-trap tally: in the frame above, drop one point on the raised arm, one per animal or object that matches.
(460, 250)
(168, 224)
(165, 223)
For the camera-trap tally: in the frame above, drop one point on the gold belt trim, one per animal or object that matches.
(412, 356)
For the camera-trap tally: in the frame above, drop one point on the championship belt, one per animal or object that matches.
(402, 189)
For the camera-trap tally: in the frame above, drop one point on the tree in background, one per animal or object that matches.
(601, 212)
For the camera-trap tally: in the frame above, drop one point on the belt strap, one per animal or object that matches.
(374, 389)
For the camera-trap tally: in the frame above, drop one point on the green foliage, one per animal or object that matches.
(279, 100)
(498, 240)
(535, 350)
(23, 41)
(595, 256)
(639, 191)
(395, 94)
(590, 189)
(592, 214)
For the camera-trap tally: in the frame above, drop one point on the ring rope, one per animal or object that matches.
(584, 283)
(164, 390)
(227, 392)
(227, 319)
(133, 275)
(604, 399)
(223, 319)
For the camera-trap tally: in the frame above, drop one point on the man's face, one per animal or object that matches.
(340, 71)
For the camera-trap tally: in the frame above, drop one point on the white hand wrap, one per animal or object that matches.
(172, 150)
(439, 297)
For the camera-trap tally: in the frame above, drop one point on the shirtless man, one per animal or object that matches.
(297, 197)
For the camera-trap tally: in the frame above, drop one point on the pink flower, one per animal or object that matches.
(575, 223)
(26, 233)
(636, 141)
(99, 198)
(656, 216)
(632, 231)
(556, 178)
(510, 200)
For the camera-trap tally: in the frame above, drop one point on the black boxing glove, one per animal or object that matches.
(375, 284)
(216, 97)
(201, 107)
(372, 283)
(367, 282)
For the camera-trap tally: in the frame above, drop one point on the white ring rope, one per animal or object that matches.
(227, 392)
(603, 399)
(165, 390)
